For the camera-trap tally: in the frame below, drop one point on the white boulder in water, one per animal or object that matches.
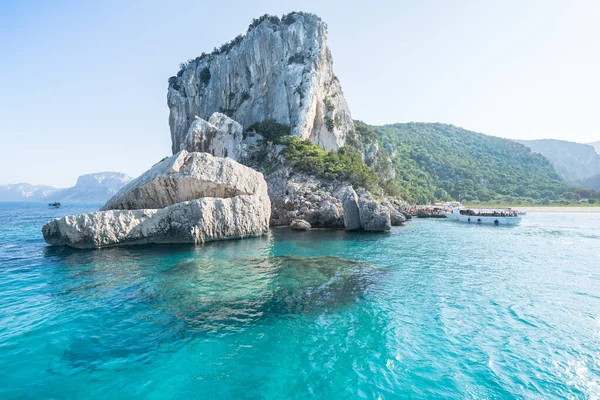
(186, 198)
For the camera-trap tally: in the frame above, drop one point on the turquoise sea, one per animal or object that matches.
(435, 309)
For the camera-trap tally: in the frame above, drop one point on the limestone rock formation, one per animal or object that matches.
(188, 176)
(307, 198)
(220, 136)
(280, 69)
(349, 200)
(372, 216)
(300, 225)
(397, 215)
(327, 205)
(196, 221)
(186, 198)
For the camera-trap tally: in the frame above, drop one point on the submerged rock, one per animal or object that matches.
(254, 289)
(186, 198)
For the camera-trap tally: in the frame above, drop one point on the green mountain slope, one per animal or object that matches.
(440, 161)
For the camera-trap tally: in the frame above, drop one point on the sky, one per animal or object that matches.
(83, 83)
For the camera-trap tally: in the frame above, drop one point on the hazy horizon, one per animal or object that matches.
(84, 85)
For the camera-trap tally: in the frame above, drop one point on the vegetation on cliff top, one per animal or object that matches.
(286, 19)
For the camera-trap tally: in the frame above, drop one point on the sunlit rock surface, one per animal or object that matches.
(186, 198)
(281, 69)
(188, 176)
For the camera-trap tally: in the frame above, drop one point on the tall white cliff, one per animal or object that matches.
(280, 69)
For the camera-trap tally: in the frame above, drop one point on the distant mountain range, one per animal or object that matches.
(577, 163)
(90, 188)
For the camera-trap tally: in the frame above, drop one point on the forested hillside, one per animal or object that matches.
(443, 162)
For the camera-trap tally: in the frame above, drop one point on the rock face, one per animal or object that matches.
(349, 200)
(306, 198)
(373, 217)
(220, 136)
(186, 198)
(280, 69)
(188, 176)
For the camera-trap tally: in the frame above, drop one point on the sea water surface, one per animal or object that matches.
(434, 309)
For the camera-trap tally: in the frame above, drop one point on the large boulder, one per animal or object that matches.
(373, 217)
(188, 176)
(220, 136)
(397, 217)
(349, 200)
(187, 198)
(196, 221)
(300, 225)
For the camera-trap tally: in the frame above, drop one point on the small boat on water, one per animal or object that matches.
(491, 216)
(56, 204)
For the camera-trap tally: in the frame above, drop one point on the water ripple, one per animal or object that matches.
(435, 309)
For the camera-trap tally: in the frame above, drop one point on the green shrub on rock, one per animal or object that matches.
(344, 165)
(205, 75)
(271, 130)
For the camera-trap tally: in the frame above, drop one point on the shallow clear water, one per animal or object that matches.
(436, 309)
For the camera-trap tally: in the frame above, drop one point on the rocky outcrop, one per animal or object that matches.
(196, 221)
(395, 208)
(300, 225)
(220, 136)
(349, 200)
(280, 69)
(188, 176)
(304, 197)
(326, 205)
(186, 198)
(373, 217)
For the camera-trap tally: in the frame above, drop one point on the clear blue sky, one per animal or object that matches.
(83, 83)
